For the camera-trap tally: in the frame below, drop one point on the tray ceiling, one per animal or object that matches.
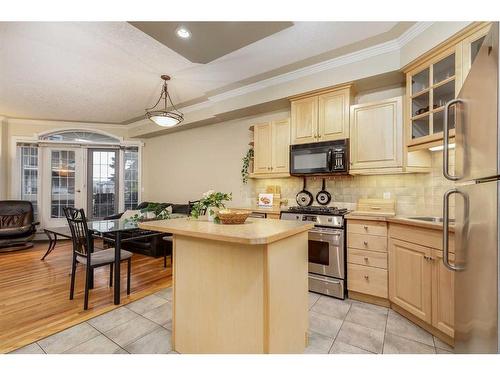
(110, 71)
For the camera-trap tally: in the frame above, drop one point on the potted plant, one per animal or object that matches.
(211, 202)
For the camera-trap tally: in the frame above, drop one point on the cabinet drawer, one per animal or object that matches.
(421, 236)
(367, 280)
(367, 258)
(366, 242)
(376, 228)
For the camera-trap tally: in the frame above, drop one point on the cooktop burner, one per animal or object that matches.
(318, 210)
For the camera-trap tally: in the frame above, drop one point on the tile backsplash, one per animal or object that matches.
(415, 193)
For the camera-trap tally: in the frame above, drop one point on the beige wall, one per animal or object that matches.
(3, 158)
(179, 167)
(415, 194)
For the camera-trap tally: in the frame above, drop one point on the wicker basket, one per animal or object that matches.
(233, 217)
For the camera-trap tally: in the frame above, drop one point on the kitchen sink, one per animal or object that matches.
(430, 219)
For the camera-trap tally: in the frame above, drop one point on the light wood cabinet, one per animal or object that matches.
(321, 116)
(280, 146)
(271, 149)
(419, 283)
(470, 47)
(333, 112)
(434, 79)
(304, 120)
(367, 258)
(410, 274)
(262, 160)
(376, 131)
(443, 294)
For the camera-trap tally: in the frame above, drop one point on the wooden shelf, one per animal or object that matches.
(420, 116)
(444, 82)
(269, 175)
(424, 91)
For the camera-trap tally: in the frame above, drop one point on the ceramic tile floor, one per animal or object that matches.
(336, 327)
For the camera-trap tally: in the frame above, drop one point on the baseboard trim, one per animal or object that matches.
(434, 331)
(369, 299)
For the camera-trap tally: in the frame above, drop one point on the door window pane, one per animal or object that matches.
(444, 69)
(131, 178)
(63, 182)
(103, 183)
(29, 175)
(420, 81)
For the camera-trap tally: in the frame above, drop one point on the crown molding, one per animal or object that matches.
(20, 121)
(377, 50)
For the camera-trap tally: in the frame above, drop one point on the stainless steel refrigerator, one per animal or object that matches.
(477, 176)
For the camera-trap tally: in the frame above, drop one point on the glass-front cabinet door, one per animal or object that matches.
(430, 86)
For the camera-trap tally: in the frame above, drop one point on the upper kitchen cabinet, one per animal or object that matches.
(470, 48)
(321, 116)
(271, 149)
(305, 120)
(429, 87)
(433, 80)
(376, 135)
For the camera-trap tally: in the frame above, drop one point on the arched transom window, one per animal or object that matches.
(79, 136)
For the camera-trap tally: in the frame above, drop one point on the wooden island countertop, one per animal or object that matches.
(240, 288)
(253, 232)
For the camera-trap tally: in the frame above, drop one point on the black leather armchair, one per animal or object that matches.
(153, 246)
(17, 225)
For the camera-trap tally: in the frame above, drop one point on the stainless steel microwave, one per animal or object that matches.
(331, 157)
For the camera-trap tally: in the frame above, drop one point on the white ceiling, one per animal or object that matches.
(109, 71)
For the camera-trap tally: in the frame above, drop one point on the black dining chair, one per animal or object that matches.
(83, 252)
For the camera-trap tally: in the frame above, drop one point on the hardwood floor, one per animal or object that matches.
(34, 294)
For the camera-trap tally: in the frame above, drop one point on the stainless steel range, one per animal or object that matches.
(327, 265)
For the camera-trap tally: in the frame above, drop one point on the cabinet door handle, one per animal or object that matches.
(366, 227)
(366, 277)
(365, 243)
(366, 259)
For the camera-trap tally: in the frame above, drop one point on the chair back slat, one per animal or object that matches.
(80, 235)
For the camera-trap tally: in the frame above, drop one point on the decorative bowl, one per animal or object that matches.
(232, 217)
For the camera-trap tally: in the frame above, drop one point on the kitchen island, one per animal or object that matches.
(238, 288)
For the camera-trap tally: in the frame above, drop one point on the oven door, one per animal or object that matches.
(326, 252)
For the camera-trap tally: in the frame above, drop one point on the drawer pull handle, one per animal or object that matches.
(365, 243)
(365, 226)
(366, 259)
(366, 277)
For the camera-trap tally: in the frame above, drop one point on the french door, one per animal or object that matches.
(63, 183)
(102, 182)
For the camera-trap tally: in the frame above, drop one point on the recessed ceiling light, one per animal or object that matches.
(183, 33)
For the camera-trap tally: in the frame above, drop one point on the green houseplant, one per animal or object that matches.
(246, 165)
(210, 203)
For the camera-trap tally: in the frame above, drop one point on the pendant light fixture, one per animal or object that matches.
(164, 117)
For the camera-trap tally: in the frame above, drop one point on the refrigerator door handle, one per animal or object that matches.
(446, 140)
(446, 224)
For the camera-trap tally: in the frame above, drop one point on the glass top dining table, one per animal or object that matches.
(121, 230)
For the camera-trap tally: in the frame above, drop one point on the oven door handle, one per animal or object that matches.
(326, 281)
(332, 233)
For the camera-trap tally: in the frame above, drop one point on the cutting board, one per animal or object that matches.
(376, 207)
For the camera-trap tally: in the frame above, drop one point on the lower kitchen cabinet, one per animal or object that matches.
(419, 283)
(367, 259)
(367, 280)
(443, 294)
(410, 273)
